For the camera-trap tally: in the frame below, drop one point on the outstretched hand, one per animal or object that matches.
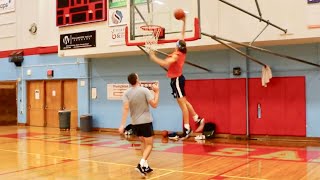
(155, 87)
(152, 54)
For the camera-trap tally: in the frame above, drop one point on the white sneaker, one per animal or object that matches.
(176, 137)
(200, 137)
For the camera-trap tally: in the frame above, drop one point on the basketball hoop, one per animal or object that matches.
(151, 39)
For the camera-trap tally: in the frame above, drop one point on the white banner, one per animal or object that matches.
(7, 6)
(115, 91)
(117, 35)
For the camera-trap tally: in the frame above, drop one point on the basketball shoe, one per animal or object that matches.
(140, 170)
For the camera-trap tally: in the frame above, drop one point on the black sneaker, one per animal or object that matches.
(200, 120)
(147, 169)
(140, 170)
(186, 133)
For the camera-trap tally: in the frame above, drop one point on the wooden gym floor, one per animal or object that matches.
(46, 153)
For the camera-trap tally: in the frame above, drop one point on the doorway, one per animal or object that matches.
(8, 101)
(47, 98)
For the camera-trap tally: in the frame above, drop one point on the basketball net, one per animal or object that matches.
(150, 36)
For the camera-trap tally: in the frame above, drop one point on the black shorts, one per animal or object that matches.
(177, 85)
(145, 130)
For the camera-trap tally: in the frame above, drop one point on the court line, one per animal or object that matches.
(47, 165)
(221, 174)
(174, 171)
(200, 162)
(128, 165)
(161, 175)
(37, 154)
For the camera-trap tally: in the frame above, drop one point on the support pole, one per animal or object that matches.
(235, 49)
(259, 34)
(258, 7)
(261, 19)
(268, 51)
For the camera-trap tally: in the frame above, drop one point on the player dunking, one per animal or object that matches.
(174, 63)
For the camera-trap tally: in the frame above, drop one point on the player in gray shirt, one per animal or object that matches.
(137, 100)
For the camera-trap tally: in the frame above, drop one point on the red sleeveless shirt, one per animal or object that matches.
(176, 68)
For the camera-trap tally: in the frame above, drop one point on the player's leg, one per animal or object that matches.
(142, 143)
(177, 85)
(185, 113)
(138, 129)
(146, 153)
(199, 120)
(146, 134)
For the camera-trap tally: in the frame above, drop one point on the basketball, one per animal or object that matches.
(164, 140)
(165, 133)
(179, 14)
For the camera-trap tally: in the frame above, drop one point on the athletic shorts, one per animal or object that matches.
(145, 130)
(177, 85)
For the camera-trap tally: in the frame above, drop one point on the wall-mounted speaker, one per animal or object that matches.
(16, 57)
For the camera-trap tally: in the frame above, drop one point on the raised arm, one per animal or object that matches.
(155, 101)
(164, 63)
(183, 31)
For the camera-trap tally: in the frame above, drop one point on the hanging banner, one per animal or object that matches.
(7, 6)
(122, 3)
(117, 36)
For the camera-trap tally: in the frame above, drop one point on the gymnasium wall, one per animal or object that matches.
(14, 26)
(216, 18)
(225, 103)
(37, 65)
(227, 96)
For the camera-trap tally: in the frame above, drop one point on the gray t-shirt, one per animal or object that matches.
(138, 98)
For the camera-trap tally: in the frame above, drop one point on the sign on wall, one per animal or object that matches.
(313, 1)
(122, 3)
(7, 6)
(118, 17)
(78, 40)
(115, 91)
(117, 36)
(313, 14)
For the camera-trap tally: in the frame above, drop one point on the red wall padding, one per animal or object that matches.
(283, 106)
(221, 101)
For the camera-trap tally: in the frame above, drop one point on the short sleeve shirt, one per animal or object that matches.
(138, 98)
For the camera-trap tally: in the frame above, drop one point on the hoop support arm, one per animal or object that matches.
(261, 19)
(235, 49)
(266, 51)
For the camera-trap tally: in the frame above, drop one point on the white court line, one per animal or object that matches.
(161, 175)
(37, 154)
(128, 165)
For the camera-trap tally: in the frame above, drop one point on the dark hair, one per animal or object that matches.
(182, 46)
(132, 78)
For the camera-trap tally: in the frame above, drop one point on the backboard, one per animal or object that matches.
(161, 13)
